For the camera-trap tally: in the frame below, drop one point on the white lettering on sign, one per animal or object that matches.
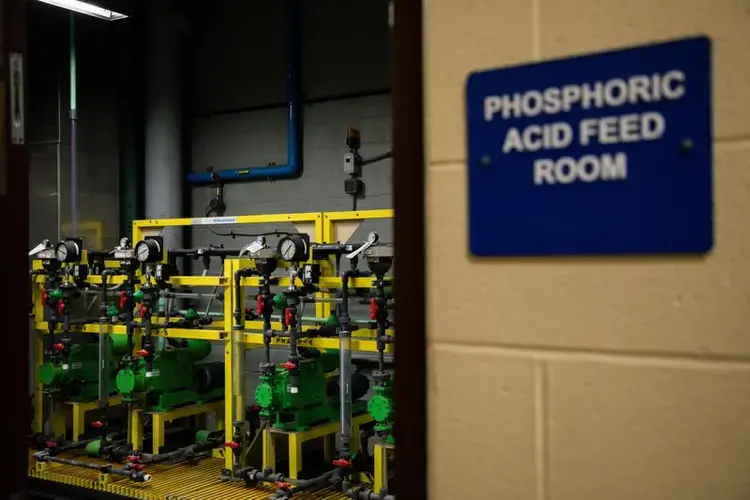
(588, 168)
(609, 130)
(609, 94)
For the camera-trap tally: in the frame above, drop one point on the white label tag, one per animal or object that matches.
(76, 366)
(203, 221)
(65, 367)
(153, 373)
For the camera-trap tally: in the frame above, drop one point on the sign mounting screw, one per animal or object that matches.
(485, 160)
(686, 145)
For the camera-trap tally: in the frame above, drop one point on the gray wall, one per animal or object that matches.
(346, 49)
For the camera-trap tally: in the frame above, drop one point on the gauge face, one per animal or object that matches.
(148, 251)
(287, 248)
(61, 252)
(142, 252)
(68, 251)
(372, 237)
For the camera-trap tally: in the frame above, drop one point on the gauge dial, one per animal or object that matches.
(148, 250)
(294, 248)
(68, 251)
(287, 249)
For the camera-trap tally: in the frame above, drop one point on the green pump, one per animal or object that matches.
(316, 400)
(175, 378)
(77, 379)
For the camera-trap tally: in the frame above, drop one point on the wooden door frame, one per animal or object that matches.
(14, 214)
(409, 237)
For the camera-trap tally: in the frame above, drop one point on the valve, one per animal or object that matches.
(341, 462)
(60, 307)
(97, 424)
(138, 467)
(373, 309)
(288, 365)
(288, 316)
(283, 486)
(58, 347)
(261, 304)
(44, 296)
(232, 444)
(143, 310)
(123, 299)
(50, 444)
(133, 458)
(142, 353)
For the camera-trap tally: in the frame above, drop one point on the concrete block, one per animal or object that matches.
(471, 390)
(459, 38)
(648, 430)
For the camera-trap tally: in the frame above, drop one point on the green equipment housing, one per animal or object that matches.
(317, 398)
(78, 379)
(175, 378)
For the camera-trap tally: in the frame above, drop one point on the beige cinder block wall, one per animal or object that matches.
(586, 379)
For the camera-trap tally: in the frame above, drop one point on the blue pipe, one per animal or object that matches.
(293, 167)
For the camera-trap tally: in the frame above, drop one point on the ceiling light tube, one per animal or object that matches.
(86, 8)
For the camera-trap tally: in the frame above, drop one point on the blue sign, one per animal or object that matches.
(608, 153)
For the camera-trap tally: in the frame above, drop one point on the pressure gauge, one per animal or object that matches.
(68, 251)
(149, 250)
(124, 242)
(295, 247)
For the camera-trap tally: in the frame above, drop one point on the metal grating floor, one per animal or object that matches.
(171, 482)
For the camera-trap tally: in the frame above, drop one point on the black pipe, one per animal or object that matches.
(253, 476)
(201, 252)
(364, 494)
(134, 474)
(187, 453)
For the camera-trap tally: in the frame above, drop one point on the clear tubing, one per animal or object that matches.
(238, 376)
(104, 368)
(345, 390)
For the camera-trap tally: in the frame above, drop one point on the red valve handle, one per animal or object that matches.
(134, 458)
(44, 296)
(373, 309)
(141, 352)
(137, 466)
(98, 424)
(232, 444)
(123, 299)
(283, 486)
(60, 307)
(261, 304)
(143, 310)
(288, 316)
(288, 365)
(58, 347)
(50, 444)
(340, 462)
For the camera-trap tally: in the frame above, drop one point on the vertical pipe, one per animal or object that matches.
(73, 132)
(58, 159)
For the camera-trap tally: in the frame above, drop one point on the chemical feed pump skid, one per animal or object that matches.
(142, 381)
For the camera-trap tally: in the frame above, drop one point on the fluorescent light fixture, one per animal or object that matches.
(87, 8)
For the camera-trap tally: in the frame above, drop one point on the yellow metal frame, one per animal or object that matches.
(296, 439)
(159, 421)
(381, 451)
(79, 410)
(324, 228)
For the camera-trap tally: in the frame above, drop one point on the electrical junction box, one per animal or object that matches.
(606, 153)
